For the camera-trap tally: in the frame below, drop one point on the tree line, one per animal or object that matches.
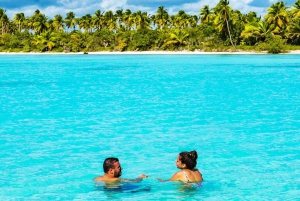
(213, 29)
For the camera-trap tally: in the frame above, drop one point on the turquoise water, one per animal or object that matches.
(62, 115)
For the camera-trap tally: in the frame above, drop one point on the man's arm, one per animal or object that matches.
(140, 178)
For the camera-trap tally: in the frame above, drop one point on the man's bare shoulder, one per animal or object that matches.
(106, 179)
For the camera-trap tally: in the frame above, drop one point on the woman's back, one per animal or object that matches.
(192, 175)
(187, 161)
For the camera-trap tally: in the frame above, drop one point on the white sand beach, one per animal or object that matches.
(151, 52)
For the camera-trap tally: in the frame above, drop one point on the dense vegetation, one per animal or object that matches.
(214, 29)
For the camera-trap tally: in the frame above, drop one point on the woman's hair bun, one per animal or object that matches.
(189, 159)
(193, 155)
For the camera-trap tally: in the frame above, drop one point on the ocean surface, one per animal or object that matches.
(62, 115)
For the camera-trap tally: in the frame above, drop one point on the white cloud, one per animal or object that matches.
(194, 8)
(83, 7)
(113, 4)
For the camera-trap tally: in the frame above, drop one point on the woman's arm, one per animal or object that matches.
(175, 177)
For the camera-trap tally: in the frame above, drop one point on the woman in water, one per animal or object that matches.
(186, 162)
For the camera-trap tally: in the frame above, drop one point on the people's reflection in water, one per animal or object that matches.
(187, 190)
(111, 189)
(114, 189)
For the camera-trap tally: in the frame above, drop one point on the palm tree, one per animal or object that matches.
(161, 18)
(58, 23)
(19, 19)
(2, 12)
(180, 19)
(4, 21)
(98, 20)
(295, 9)
(277, 15)
(205, 14)
(294, 31)
(119, 17)
(80, 40)
(40, 24)
(6, 24)
(110, 20)
(251, 17)
(70, 20)
(258, 31)
(51, 26)
(178, 37)
(128, 19)
(29, 23)
(45, 41)
(223, 12)
(142, 20)
(192, 20)
(36, 12)
(85, 23)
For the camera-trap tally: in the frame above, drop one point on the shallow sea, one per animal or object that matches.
(62, 115)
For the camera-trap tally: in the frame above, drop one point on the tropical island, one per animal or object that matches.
(217, 29)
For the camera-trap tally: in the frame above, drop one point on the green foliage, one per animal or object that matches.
(275, 45)
(178, 38)
(26, 48)
(213, 29)
(142, 40)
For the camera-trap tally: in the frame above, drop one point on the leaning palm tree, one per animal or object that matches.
(223, 14)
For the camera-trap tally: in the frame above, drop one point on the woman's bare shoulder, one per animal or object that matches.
(176, 176)
(197, 174)
(196, 171)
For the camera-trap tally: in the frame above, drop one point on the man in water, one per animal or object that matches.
(113, 170)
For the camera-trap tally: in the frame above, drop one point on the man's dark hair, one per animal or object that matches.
(109, 163)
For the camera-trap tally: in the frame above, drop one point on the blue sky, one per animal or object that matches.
(82, 7)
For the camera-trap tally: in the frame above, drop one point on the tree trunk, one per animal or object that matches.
(229, 32)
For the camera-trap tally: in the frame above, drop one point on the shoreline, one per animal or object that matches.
(145, 53)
